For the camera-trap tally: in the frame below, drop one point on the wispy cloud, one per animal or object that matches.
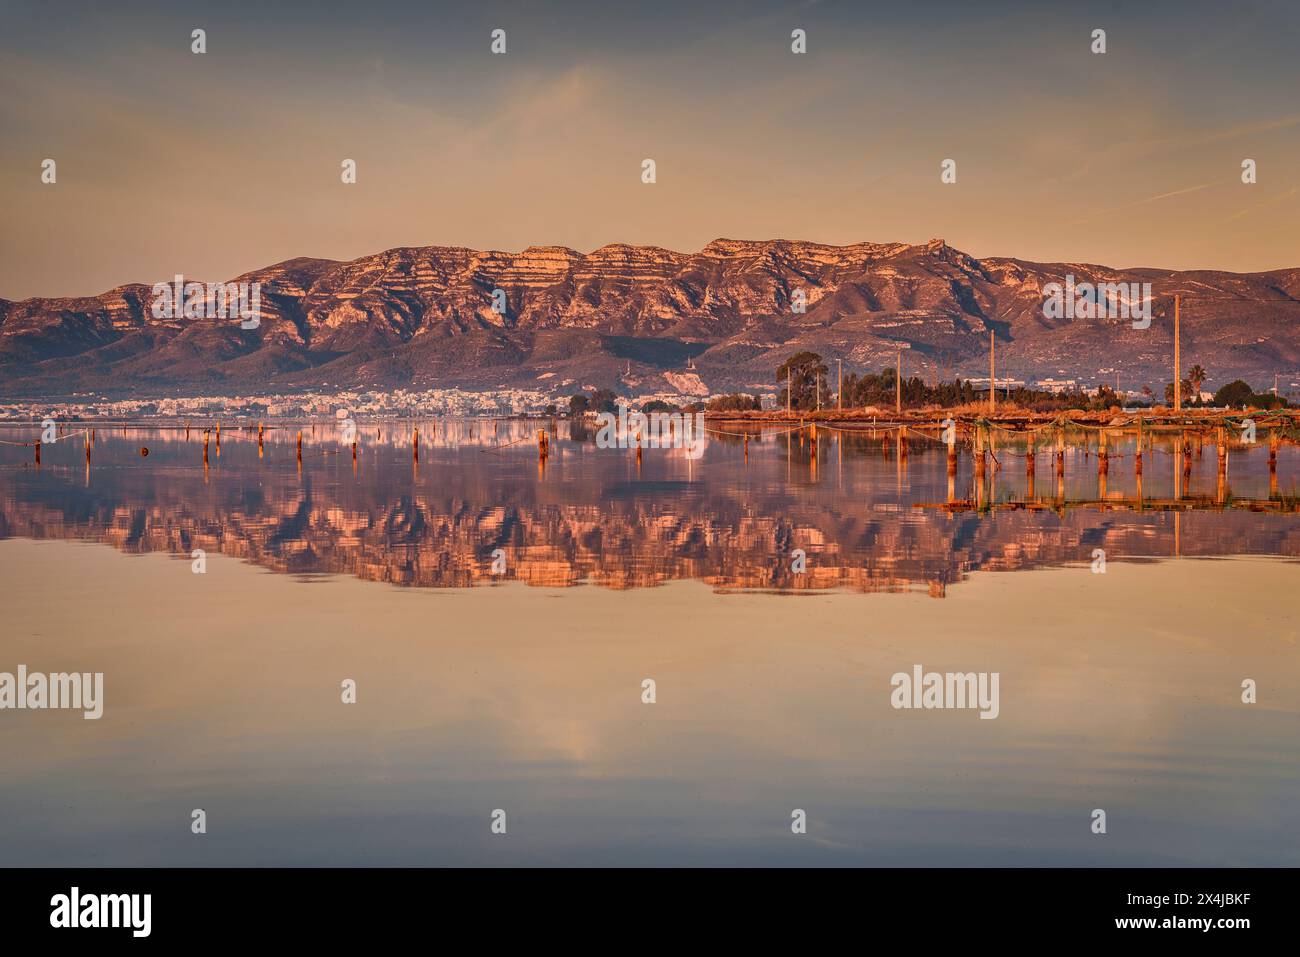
(1096, 214)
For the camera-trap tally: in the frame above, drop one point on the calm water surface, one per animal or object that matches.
(1119, 691)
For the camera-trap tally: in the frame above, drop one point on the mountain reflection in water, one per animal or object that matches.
(732, 519)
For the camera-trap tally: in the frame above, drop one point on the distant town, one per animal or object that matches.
(403, 403)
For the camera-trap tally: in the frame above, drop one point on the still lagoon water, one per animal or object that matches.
(499, 619)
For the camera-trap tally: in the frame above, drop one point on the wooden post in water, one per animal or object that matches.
(87, 440)
(1221, 450)
(259, 440)
(980, 464)
(38, 453)
(205, 447)
(1103, 454)
(300, 448)
(746, 448)
(415, 445)
(952, 452)
(1137, 453)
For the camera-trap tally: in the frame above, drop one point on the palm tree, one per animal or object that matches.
(1196, 376)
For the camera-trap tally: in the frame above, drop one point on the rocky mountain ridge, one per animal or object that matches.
(642, 319)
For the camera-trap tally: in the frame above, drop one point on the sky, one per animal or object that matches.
(214, 164)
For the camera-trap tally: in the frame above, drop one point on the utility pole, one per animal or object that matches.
(1178, 359)
(898, 384)
(993, 372)
(839, 394)
(789, 391)
(818, 389)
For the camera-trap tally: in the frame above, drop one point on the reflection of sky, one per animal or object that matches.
(1118, 691)
(1130, 159)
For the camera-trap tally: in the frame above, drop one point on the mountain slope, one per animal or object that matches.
(631, 317)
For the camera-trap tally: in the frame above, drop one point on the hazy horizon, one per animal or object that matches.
(216, 164)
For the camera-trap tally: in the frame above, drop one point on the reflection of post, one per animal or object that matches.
(1272, 464)
(1103, 464)
(1221, 448)
(1030, 452)
(1178, 454)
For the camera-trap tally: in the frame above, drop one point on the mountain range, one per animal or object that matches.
(641, 320)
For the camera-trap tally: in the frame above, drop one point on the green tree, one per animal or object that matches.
(1169, 392)
(802, 371)
(739, 402)
(1234, 394)
(603, 400)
